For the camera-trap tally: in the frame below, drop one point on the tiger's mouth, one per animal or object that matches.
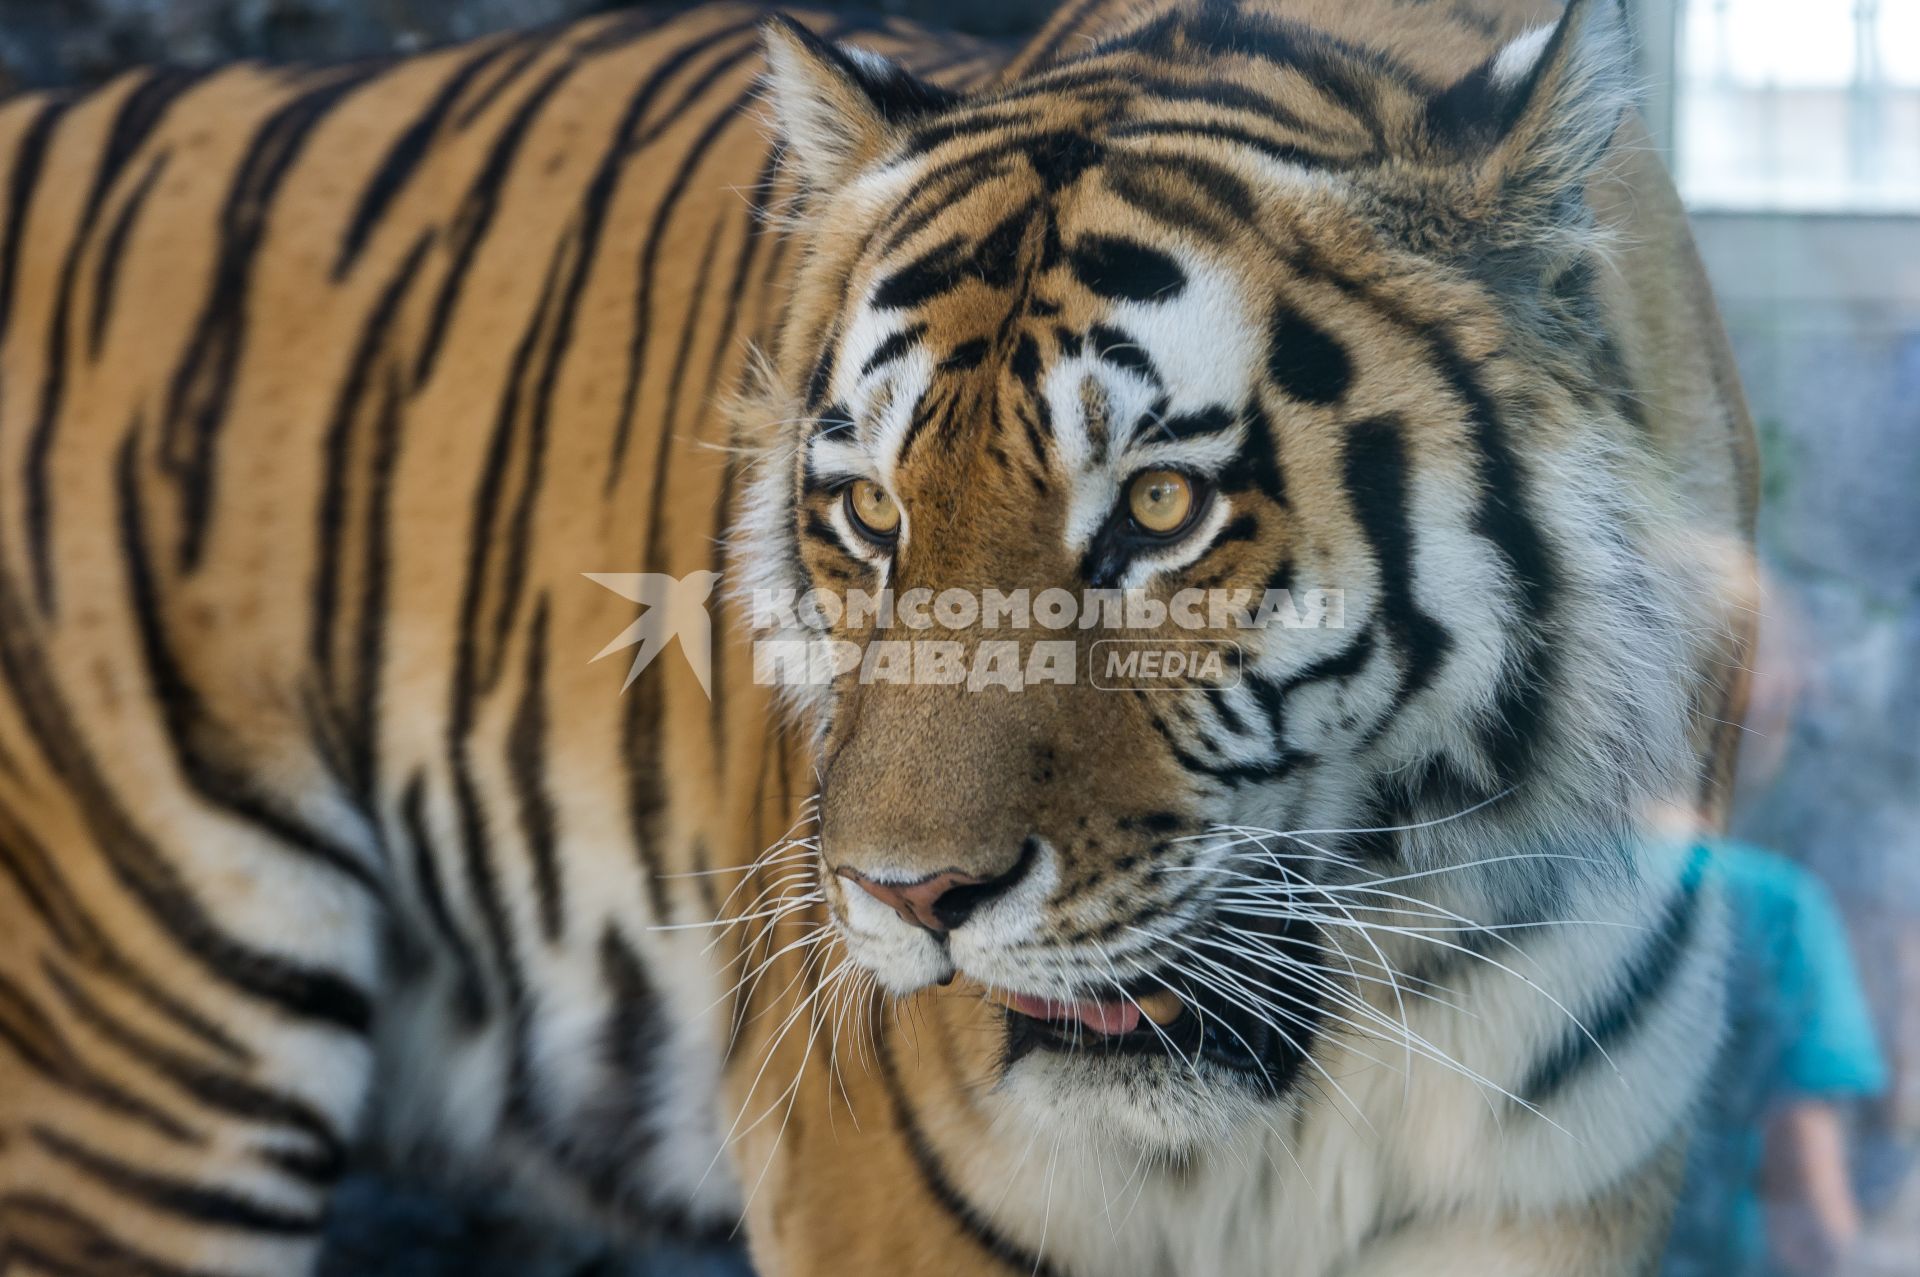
(1184, 1026)
(1113, 1018)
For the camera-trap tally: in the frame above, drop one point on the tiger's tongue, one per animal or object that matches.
(1101, 1017)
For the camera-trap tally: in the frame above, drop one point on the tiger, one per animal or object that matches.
(350, 413)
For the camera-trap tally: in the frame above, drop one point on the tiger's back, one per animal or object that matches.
(321, 393)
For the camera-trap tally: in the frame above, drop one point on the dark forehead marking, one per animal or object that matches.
(1305, 360)
(1060, 158)
(1124, 269)
(934, 272)
(1121, 350)
(896, 345)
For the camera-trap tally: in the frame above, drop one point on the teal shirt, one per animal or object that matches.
(1798, 1027)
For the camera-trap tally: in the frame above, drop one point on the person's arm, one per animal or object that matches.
(1813, 1218)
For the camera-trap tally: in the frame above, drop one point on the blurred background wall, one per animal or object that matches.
(1794, 132)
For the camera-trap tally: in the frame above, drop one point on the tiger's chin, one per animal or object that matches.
(1132, 1096)
(1151, 1070)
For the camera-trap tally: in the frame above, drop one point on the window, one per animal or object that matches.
(1798, 105)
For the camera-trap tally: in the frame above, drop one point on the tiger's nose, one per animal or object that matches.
(923, 903)
(940, 902)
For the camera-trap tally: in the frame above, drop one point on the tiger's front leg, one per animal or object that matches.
(184, 1010)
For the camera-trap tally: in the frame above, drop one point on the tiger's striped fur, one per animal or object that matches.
(321, 389)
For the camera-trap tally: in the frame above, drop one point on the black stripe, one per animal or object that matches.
(224, 782)
(622, 1132)
(1375, 470)
(476, 212)
(968, 125)
(670, 198)
(403, 159)
(1067, 25)
(1272, 148)
(530, 51)
(1122, 269)
(628, 140)
(471, 1000)
(29, 155)
(1505, 518)
(49, 1236)
(491, 589)
(966, 356)
(39, 882)
(1256, 466)
(1133, 182)
(1122, 351)
(208, 1207)
(726, 353)
(820, 380)
(1189, 425)
(635, 1018)
(106, 271)
(1283, 763)
(1242, 528)
(895, 346)
(933, 194)
(1216, 182)
(1345, 663)
(140, 867)
(526, 769)
(940, 1186)
(933, 274)
(140, 115)
(1304, 360)
(197, 399)
(226, 1094)
(354, 700)
(140, 112)
(592, 223)
(1637, 992)
(641, 725)
(935, 405)
(1220, 97)
(509, 484)
(80, 937)
(36, 1041)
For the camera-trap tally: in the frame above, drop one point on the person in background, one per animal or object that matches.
(1769, 1191)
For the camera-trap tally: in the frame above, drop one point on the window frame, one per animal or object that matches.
(1866, 258)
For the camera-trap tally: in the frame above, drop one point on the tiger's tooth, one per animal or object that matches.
(1162, 1006)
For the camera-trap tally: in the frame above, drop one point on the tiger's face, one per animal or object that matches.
(1059, 346)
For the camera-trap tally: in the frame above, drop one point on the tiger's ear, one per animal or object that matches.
(837, 106)
(1533, 121)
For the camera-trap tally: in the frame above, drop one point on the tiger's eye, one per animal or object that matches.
(872, 510)
(1161, 501)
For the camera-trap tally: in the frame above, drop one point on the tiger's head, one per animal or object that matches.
(1212, 309)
